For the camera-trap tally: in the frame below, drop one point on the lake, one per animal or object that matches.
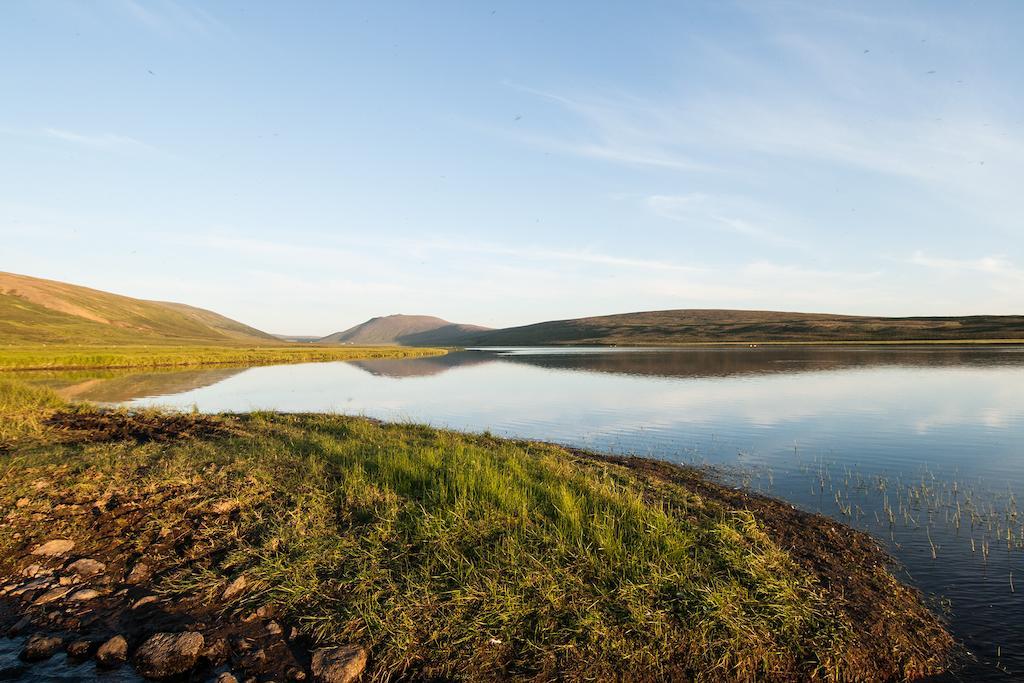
(923, 447)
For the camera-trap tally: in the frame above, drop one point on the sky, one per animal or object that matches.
(302, 167)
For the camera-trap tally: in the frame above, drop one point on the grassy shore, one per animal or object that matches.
(42, 357)
(448, 555)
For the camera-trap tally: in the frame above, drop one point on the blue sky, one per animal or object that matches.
(304, 166)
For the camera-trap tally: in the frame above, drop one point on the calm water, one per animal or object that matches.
(924, 448)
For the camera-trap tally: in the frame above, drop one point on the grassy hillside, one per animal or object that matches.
(726, 326)
(409, 330)
(445, 555)
(37, 311)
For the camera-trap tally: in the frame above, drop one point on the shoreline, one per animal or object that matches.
(61, 357)
(163, 491)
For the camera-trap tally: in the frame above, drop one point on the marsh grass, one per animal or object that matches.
(83, 357)
(460, 556)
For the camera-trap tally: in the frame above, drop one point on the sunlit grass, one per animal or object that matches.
(72, 357)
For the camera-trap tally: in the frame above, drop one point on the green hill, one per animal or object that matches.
(37, 311)
(727, 326)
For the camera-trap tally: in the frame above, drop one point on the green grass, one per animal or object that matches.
(43, 357)
(454, 555)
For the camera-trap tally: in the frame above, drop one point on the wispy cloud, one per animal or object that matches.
(992, 265)
(108, 141)
(701, 211)
(169, 17)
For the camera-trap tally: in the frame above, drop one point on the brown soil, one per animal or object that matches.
(99, 426)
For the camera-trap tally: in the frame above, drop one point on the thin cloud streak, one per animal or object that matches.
(107, 141)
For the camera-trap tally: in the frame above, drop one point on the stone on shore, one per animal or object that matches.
(113, 653)
(164, 655)
(339, 665)
(86, 567)
(54, 548)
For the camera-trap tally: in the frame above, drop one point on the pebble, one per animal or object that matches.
(54, 548)
(235, 588)
(86, 567)
(79, 649)
(84, 594)
(164, 655)
(339, 665)
(142, 602)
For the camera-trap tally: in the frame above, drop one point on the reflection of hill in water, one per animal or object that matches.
(724, 362)
(423, 367)
(118, 386)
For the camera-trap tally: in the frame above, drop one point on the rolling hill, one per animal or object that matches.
(37, 311)
(724, 326)
(405, 330)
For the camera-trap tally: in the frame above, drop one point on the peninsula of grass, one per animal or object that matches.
(447, 556)
(69, 357)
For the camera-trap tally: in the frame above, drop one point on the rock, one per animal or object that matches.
(339, 665)
(52, 595)
(19, 627)
(84, 594)
(226, 677)
(294, 673)
(168, 654)
(235, 588)
(31, 586)
(139, 573)
(87, 567)
(35, 570)
(224, 507)
(40, 647)
(274, 628)
(113, 653)
(66, 580)
(142, 602)
(22, 502)
(54, 548)
(79, 649)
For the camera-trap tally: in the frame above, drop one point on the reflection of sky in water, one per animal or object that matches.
(814, 427)
(889, 416)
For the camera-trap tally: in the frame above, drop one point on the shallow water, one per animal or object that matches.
(59, 668)
(922, 447)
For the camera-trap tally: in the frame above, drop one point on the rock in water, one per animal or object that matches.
(40, 647)
(79, 649)
(113, 653)
(54, 548)
(168, 654)
(339, 665)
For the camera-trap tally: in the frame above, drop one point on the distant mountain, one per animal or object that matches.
(37, 311)
(405, 330)
(707, 325)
